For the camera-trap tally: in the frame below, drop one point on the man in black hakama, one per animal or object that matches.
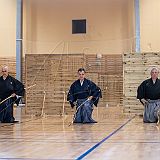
(149, 95)
(84, 94)
(9, 87)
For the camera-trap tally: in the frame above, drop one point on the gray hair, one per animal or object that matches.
(155, 68)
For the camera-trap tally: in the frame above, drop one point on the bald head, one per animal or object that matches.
(5, 68)
(5, 71)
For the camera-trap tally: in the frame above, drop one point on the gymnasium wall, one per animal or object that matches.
(110, 31)
(7, 28)
(48, 23)
(150, 25)
(110, 26)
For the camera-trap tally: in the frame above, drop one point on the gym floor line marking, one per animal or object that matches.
(103, 140)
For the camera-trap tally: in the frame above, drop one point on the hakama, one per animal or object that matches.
(151, 110)
(150, 92)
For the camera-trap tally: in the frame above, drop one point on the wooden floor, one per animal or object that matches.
(114, 137)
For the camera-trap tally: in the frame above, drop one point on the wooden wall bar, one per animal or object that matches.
(136, 68)
(108, 71)
(53, 75)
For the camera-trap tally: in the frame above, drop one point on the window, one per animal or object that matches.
(78, 26)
